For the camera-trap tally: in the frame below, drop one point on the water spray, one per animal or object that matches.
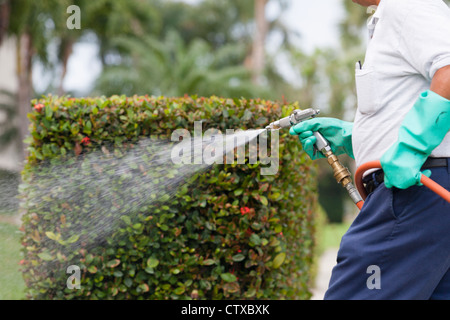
(341, 173)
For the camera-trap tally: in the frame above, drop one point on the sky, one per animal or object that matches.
(315, 20)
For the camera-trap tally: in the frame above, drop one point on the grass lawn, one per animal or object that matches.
(331, 235)
(11, 282)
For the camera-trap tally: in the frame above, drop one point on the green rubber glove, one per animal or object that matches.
(422, 130)
(337, 132)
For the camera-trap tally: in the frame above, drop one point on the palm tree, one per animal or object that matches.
(27, 22)
(171, 67)
(35, 24)
(257, 60)
(109, 19)
(230, 22)
(258, 50)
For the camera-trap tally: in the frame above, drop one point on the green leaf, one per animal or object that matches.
(52, 236)
(144, 287)
(118, 274)
(255, 239)
(257, 226)
(137, 225)
(247, 115)
(113, 263)
(163, 227)
(92, 269)
(126, 219)
(263, 200)
(175, 271)
(48, 112)
(278, 228)
(89, 258)
(228, 277)
(128, 282)
(250, 293)
(38, 155)
(45, 256)
(279, 259)
(238, 257)
(73, 238)
(276, 196)
(149, 270)
(274, 242)
(152, 262)
(179, 291)
(164, 198)
(208, 262)
(88, 128)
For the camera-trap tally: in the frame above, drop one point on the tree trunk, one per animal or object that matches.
(24, 58)
(66, 49)
(5, 11)
(258, 52)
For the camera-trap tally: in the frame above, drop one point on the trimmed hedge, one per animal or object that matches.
(230, 233)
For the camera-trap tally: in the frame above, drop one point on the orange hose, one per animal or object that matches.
(436, 188)
(432, 185)
(359, 176)
(360, 205)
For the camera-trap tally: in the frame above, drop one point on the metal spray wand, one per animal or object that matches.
(341, 173)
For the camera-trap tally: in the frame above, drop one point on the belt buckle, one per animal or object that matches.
(372, 183)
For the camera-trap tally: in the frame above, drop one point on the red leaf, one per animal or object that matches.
(38, 107)
(78, 148)
(245, 210)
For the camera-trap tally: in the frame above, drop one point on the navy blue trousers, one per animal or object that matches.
(397, 248)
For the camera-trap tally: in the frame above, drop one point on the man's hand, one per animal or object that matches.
(337, 132)
(422, 130)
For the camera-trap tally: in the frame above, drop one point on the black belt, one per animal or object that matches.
(373, 180)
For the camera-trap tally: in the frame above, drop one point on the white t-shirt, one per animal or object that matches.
(411, 41)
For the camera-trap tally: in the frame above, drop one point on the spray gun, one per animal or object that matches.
(341, 173)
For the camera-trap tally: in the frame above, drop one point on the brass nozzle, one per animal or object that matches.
(343, 176)
(341, 173)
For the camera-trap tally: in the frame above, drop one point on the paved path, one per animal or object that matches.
(15, 220)
(326, 263)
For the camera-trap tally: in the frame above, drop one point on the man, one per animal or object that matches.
(399, 245)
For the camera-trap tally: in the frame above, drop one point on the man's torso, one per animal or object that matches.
(388, 84)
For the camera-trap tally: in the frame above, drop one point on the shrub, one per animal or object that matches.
(225, 232)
